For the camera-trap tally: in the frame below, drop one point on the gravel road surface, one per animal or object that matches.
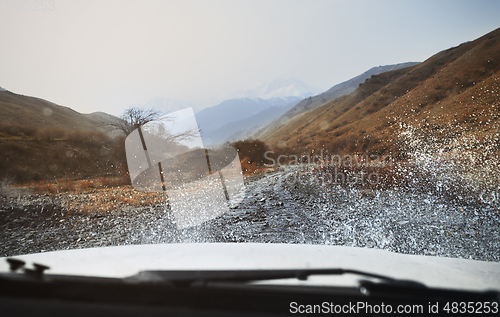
(287, 206)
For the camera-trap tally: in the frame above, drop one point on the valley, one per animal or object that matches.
(428, 135)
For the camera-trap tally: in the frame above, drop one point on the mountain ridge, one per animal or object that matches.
(453, 96)
(213, 118)
(343, 88)
(240, 129)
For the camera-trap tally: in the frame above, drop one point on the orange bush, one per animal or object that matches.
(247, 167)
(253, 150)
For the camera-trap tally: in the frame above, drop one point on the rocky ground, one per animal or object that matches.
(291, 205)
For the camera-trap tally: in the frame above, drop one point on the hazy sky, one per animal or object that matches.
(108, 55)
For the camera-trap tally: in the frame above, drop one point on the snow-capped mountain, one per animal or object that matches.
(277, 89)
(250, 107)
(2, 89)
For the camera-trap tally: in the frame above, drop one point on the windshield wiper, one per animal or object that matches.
(386, 287)
(229, 290)
(191, 278)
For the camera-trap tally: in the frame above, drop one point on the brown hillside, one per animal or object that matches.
(40, 140)
(30, 154)
(30, 111)
(334, 92)
(451, 99)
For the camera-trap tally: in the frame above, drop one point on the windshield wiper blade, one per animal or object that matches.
(188, 278)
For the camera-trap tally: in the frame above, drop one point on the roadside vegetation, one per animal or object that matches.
(35, 155)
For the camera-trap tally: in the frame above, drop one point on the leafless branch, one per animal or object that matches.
(134, 117)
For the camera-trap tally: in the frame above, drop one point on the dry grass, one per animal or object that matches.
(9, 130)
(95, 199)
(86, 185)
(30, 154)
(62, 186)
(445, 90)
(65, 185)
(44, 187)
(114, 199)
(108, 182)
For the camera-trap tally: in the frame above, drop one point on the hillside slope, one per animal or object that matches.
(450, 100)
(41, 114)
(338, 90)
(42, 141)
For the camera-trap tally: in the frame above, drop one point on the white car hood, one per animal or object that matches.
(125, 261)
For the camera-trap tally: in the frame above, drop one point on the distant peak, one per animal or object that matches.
(277, 88)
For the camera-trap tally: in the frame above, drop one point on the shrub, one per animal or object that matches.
(252, 150)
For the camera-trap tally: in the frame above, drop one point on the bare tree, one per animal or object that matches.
(134, 117)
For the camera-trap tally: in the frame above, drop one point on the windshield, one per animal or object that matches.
(362, 125)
